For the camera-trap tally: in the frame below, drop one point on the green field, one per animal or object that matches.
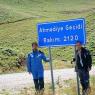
(18, 20)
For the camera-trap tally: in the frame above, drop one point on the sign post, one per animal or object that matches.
(61, 33)
(77, 74)
(51, 67)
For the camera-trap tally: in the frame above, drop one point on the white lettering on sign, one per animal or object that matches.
(61, 28)
(49, 40)
(54, 29)
(65, 39)
(74, 27)
(61, 33)
(71, 38)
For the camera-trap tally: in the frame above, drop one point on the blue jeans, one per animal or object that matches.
(84, 78)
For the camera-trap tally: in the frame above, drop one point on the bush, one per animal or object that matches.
(9, 52)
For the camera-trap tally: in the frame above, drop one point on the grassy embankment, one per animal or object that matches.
(18, 19)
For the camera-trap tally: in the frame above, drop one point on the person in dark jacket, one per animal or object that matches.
(83, 66)
(35, 67)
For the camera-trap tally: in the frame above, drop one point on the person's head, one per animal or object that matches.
(34, 46)
(78, 45)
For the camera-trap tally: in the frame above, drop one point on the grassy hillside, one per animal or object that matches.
(18, 19)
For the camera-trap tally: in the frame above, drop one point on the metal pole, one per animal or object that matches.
(77, 74)
(51, 67)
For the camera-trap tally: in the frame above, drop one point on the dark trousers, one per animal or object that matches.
(39, 83)
(84, 78)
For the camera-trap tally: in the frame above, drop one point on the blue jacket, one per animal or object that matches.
(34, 63)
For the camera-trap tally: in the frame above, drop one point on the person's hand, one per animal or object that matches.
(74, 59)
(29, 72)
(89, 69)
(72, 62)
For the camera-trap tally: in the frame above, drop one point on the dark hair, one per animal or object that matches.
(78, 42)
(35, 43)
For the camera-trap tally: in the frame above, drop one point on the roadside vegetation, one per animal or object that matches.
(65, 87)
(18, 20)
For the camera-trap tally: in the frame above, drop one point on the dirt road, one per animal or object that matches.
(21, 80)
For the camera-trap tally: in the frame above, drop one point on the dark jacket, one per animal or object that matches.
(86, 59)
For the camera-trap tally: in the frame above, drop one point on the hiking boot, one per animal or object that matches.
(84, 92)
(89, 90)
(37, 93)
(41, 92)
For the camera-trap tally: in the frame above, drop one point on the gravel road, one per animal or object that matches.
(21, 80)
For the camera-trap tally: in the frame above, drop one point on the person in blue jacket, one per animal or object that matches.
(35, 66)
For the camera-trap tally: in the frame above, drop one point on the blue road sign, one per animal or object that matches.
(61, 33)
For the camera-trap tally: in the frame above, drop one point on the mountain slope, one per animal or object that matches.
(18, 20)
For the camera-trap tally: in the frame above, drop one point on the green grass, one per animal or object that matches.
(18, 20)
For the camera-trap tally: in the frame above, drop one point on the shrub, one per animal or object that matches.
(9, 52)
